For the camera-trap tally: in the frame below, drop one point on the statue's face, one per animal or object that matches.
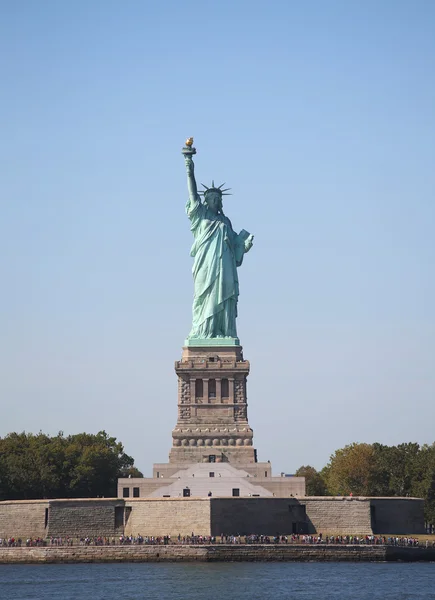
(214, 202)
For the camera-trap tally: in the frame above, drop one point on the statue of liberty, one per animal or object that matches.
(217, 252)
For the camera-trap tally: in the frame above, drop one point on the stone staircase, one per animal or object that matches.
(199, 481)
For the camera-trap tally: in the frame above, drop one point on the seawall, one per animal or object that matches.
(114, 517)
(215, 553)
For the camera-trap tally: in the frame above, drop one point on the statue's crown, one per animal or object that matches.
(219, 190)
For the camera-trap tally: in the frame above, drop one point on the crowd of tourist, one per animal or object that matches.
(320, 539)
(355, 539)
(223, 539)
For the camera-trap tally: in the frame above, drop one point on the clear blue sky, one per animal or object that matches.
(319, 115)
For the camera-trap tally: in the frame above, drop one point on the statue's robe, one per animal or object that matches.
(217, 252)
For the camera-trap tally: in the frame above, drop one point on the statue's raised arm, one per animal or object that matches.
(217, 252)
(191, 181)
(188, 152)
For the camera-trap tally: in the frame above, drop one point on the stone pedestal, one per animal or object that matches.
(212, 424)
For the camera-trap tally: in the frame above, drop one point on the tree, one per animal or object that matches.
(314, 484)
(349, 471)
(424, 480)
(396, 469)
(131, 472)
(81, 465)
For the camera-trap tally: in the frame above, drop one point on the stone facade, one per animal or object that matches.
(214, 479)
(87, 517)
(212, 423)
(74, 518)
(257, 515)
(23, 518)
(386, 513)
(171, 516)
(257, 469)
(326, 514)
(211, 516)
(361, 515)
(338, 515)
(216, 553)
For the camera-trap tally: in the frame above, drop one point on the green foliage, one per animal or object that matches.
(349, 471)
(378, 470)
(396, 469)
(81, 465)
(314, 483)
(131, 472)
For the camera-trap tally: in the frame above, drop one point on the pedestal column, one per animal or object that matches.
(213, 428)
(218, 390)
(205, 397)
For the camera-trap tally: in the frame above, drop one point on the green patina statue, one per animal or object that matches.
(217, 252)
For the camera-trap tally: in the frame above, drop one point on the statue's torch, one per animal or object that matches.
(188, 149)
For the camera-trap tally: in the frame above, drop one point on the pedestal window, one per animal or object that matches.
(199, 388)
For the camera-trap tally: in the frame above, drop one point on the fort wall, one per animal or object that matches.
(215, 553)
(85, 517)
(168, 516)
(211, 516)
(23, 518)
